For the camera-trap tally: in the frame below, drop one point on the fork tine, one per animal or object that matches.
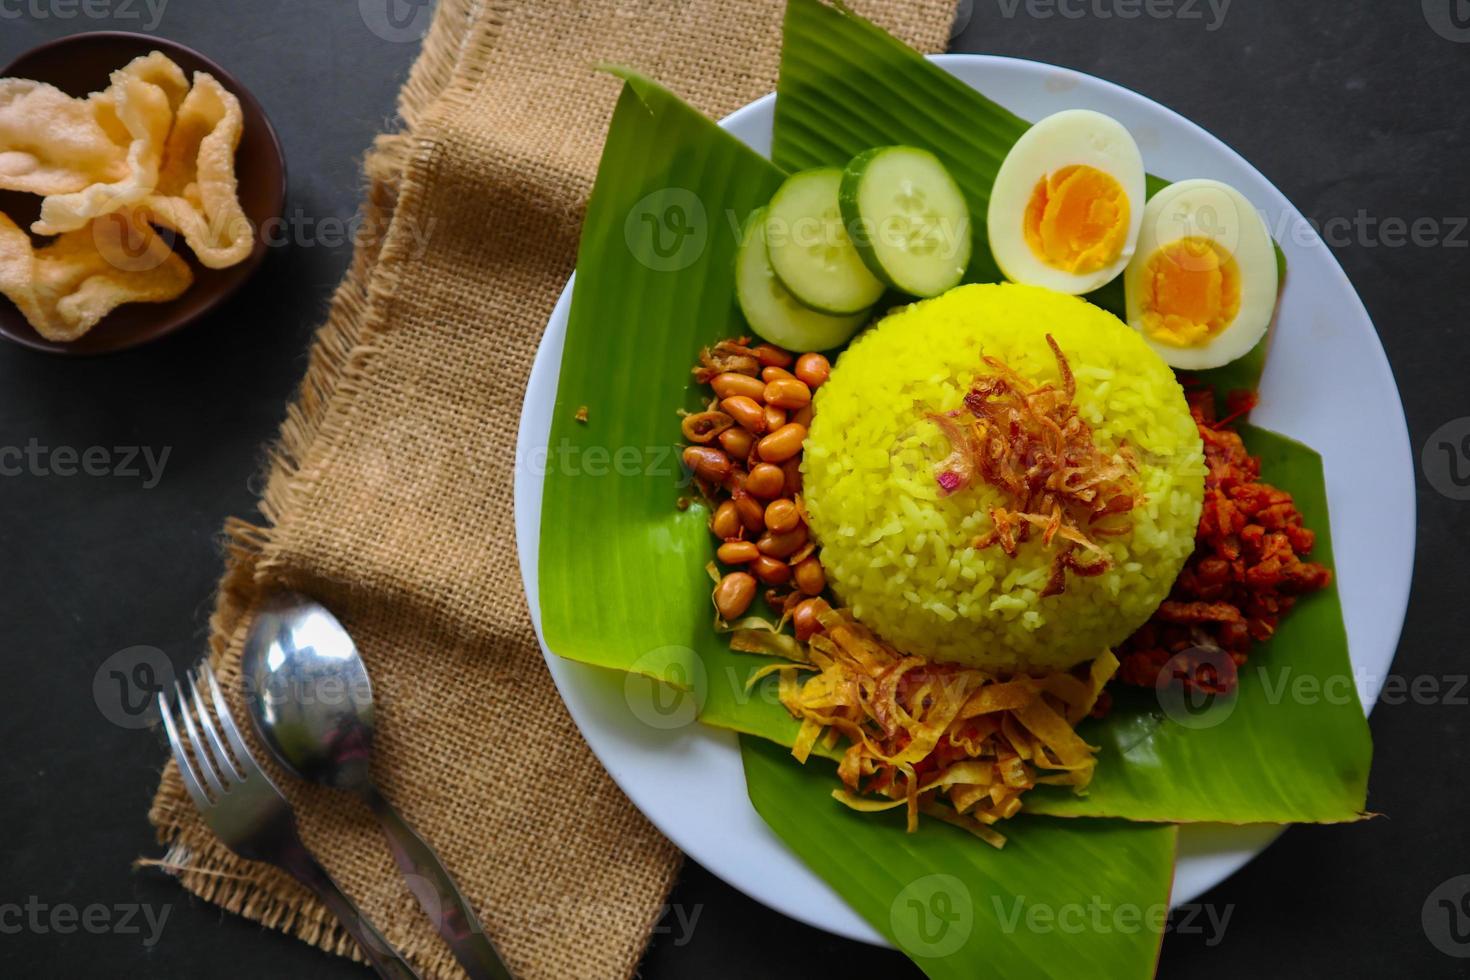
(228, 771)
(181, 757)
(227, 721)
(201, 751)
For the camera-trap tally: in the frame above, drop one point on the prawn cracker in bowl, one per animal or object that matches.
(65, 288)
(154, 150)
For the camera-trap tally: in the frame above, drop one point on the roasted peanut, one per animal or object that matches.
(782, 545)
(775, 418)
(740, 552)
(707, 462)
(788, 393)
(792, 469)
(803, 416)
(729, 384)
(805, 617)
(734, 595)
(752, 513)
(782, 516)
(809, 575)
(747, 411)
(726, 521)
(772, 356)
(765, 481)
(782, 444)
(769, 374)
(703, 427)
(772, 571)
(737, 442)
(813, 369)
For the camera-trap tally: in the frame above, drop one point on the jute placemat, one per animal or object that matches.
(388, 495)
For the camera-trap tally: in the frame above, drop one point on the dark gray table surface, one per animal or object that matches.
(1356, 110)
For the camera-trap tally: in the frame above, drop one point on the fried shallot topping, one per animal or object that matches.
(922, 732)
(1029, 442)
(734, 356)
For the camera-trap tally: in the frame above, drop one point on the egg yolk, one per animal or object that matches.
(1191, 292)
(1077, 219)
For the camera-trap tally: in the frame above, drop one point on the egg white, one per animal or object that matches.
(1218, 212)
(1070, 138)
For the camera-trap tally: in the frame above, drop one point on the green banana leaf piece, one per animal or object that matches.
(847, 85)
(621, 575)
(1062, 899)
(1291, 746)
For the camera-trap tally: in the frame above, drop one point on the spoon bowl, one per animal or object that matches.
(309, 693)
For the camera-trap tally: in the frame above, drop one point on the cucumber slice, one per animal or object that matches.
(908, 218)
(809, 247)
(772, 311)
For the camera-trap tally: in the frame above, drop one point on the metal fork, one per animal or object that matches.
(248, 813)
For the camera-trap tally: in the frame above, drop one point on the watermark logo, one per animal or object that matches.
(129, 243)
(1203, 216)
(1446, 917)
(964, 12)
(127, 684)
(674, 702)
(933, 916)
(1190, 685)
(1446, 459)
(396, 21)
(667, 230)
(1450, 19)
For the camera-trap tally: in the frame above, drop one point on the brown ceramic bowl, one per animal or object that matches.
(80, 64)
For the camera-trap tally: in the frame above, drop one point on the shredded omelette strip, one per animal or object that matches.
(957, 743)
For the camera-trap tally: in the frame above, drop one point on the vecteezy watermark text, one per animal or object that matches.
(65, 918)
(148, 12)
(1211, 12)
(1098, 917)
(123, 462)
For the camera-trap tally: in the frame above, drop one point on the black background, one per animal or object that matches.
(1346, 106)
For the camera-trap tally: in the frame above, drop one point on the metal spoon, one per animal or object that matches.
(311, 701)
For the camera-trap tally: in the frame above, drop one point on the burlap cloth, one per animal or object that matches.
(388, 495)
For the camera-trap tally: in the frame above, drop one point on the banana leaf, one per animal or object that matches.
(846, 85)
(621, 575)
(1062, 899)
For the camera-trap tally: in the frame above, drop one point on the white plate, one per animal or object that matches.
(1327, 384)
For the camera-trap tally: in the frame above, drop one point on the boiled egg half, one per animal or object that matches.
(1201, 286)
(1067, 203)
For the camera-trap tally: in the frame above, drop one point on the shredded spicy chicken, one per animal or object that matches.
(1247, 569)
(1029, 442)
(920, 732)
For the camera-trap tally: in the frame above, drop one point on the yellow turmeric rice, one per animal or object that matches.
(903, 555)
